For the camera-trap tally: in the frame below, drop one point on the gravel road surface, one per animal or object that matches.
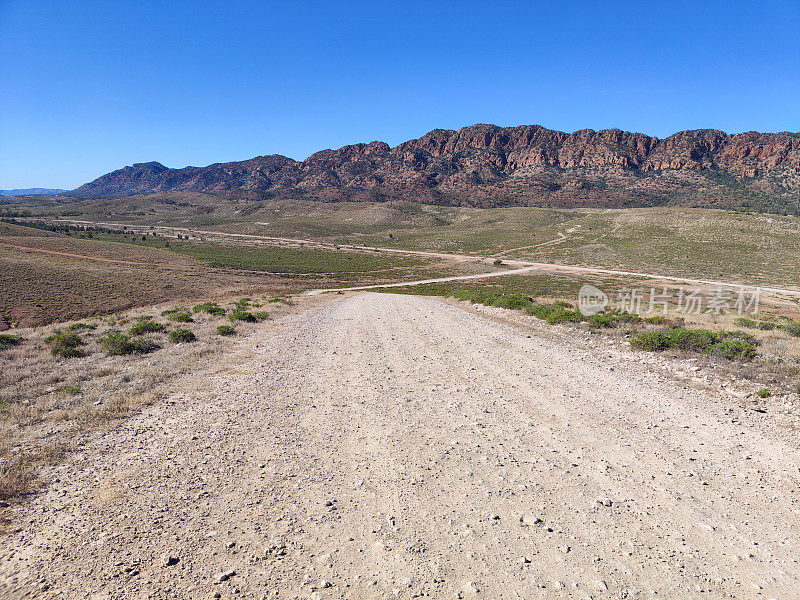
(389, 446)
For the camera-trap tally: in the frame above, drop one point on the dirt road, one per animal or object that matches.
(384, 446)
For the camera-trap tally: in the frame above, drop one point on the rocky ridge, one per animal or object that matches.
(487, 165)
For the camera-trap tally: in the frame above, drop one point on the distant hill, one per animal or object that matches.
(30, 192)
(486, 165)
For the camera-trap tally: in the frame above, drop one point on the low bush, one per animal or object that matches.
(612, 319)
(181, 335)
(72, 390)
(792, 328)
(226, 330)
(242, 315)
(117, 343)
(76, 326)
(729, 345)
(211, 308)
(66, 352)
(181, 317)
(732, 349)
(656, 320)
(172, 311)
(559, 312)
(742, 336)
(752, 324)
(513, 301)
(7, 340)
(261, 316)
(652, 341)
(764, 393)
(64, 344)
(145, 326)
(695, 340)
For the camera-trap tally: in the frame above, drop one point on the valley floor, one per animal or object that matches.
(386, 446)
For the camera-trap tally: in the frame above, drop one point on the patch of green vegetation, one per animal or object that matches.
(792, 328)
(65, 344)
(261, 315)
(7, 340)
(764, 393)
(117, 343)
(558, 312)
(729, 345)
(72, 390)
(279, 259)
(242, 315)
(226, 330)
(211, 308)
(173, 311)
(181, 335)
(612, 318)
(732, 349)
(145, 326)
(77, 326)
(181, 317)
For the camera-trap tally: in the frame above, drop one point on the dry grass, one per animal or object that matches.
(49, 403)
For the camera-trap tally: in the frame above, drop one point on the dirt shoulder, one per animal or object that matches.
(379, 445)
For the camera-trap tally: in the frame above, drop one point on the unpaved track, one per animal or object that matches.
(390, 445)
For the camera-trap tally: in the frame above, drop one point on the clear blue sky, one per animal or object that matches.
(88, 87)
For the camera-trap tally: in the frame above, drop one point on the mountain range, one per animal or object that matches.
(30, 192)
(486, 165)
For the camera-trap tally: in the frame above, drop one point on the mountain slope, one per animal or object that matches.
(486, 165)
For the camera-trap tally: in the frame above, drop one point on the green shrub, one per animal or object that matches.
(226, 330)
(172, 311)
(750, 323)
(652, 341)
(211, 308)
(145, 326)
(792, 328)
(656, 320)
(117, 343)
(261, 316)
(64, 339)
(72, 390)
(181, 317)
(732, 349)
(729, 345)
(181, 335)
(65, 352)
(513, 301)
(745, 322)
(242, 303)
(7, 340)
(559, 312)
(612, 319)
(76, 326)
(764, 393)
(242, 315)
(64, 344)
(742, 336)
(695, 340)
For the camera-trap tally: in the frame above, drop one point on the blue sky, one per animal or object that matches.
(88, 87)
